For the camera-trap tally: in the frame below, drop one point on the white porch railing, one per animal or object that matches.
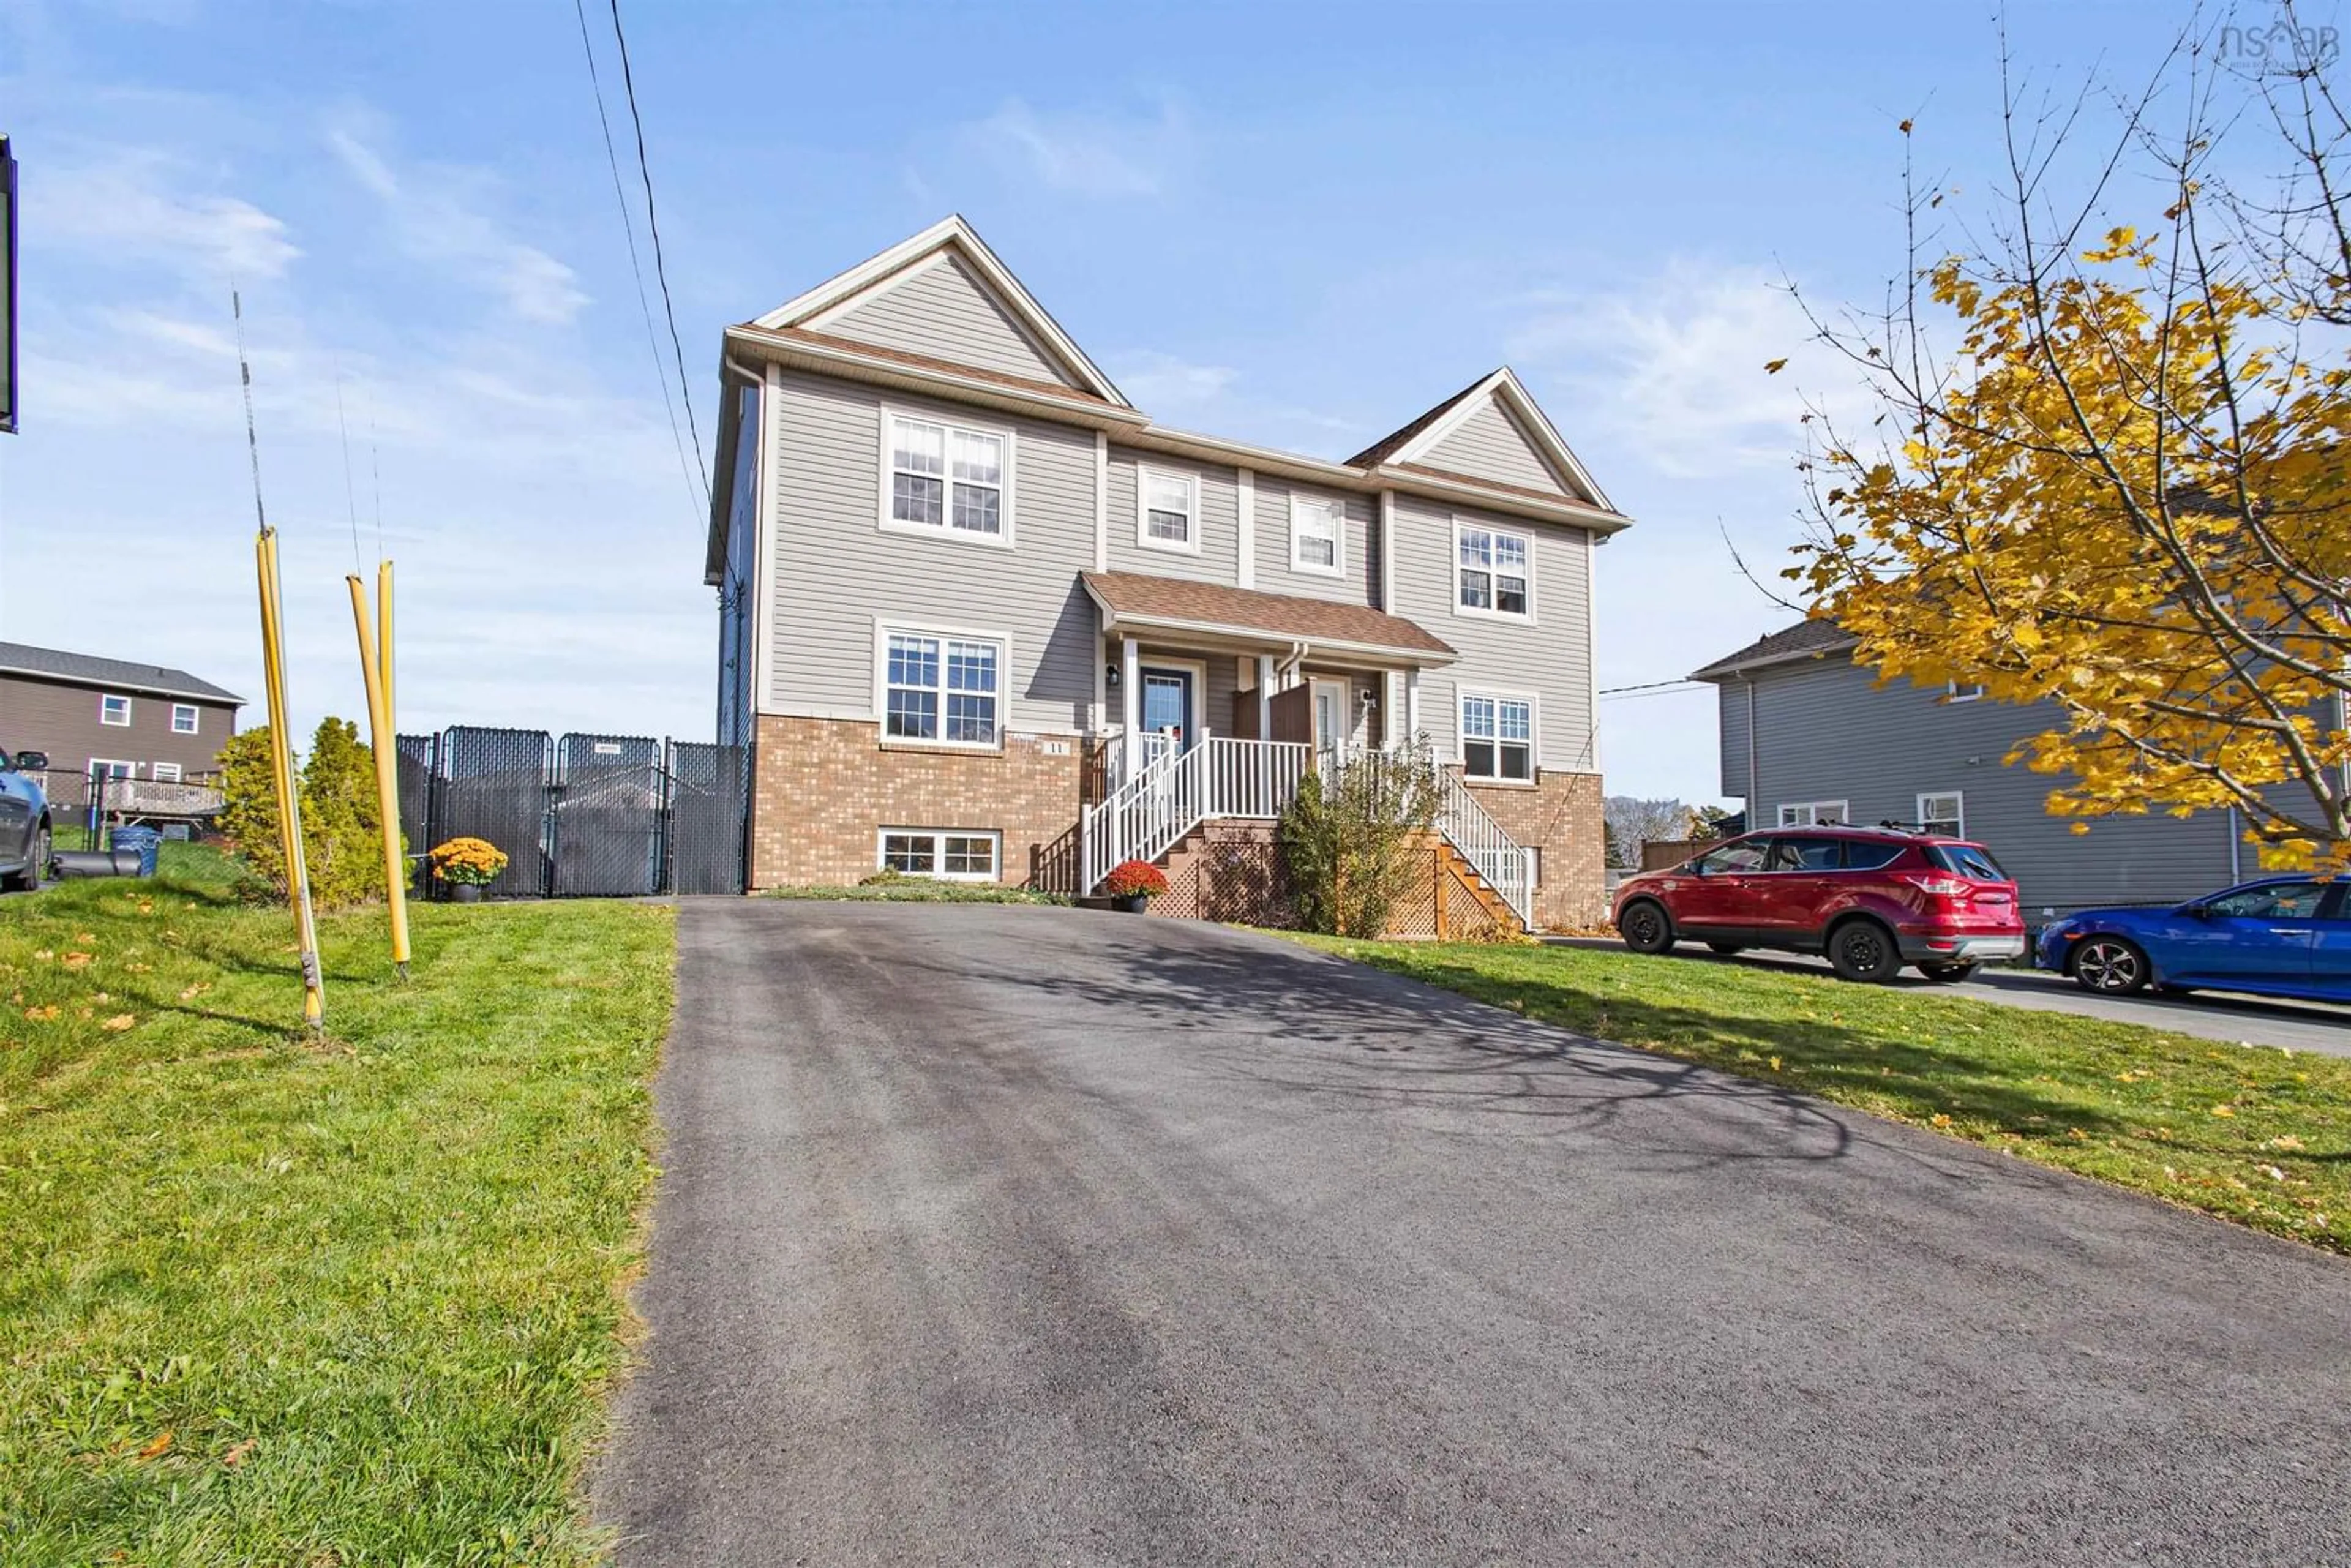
(1219, 777)
(1500, 859)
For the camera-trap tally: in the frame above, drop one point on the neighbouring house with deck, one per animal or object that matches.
(982, 617)
(153, 731)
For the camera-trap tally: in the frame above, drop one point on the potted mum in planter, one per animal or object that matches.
(1133, 884)
(467, 865)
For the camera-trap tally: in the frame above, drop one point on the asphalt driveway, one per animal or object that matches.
(2209, 1015)
(1023, 1235)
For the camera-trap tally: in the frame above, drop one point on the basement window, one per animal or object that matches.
(952, 854)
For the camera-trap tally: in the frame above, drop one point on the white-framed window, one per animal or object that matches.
(1945, 811)
(954, 854)
(1318, 535)
(1812, 814)
(1963, 691)
(1493, 571)
(1167, 510)
(940, 688)
(114, 711)
(943, 477)
(1498, 737)
(112, 767)
(164, 772)
(183, 719)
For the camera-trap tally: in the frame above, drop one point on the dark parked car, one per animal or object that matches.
(1871, 899)
(2280, 937)
(23, 821)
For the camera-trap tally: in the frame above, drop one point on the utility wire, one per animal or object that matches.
(1651, 686)
(636, 267)
(350, 491)
(251, 441)
(661, 270)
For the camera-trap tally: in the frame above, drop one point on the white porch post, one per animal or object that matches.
(1412, 702)
(1130, 698)
(1265, 696)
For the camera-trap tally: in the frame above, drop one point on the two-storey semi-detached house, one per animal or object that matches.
(983, 618)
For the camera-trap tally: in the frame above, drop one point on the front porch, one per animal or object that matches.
(1224, 701)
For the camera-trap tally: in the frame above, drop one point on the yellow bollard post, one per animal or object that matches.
(281, 763)
(373, 663)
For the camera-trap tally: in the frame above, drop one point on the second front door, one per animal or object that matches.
(1167, 704)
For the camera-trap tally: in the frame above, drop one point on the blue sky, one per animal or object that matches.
(1293, 224)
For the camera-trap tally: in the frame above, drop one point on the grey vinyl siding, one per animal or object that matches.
(1358, 586)
(836, 570)
(1733, 712)
(945, 313)
(1491, 444)
(1549, 657)
(1218, 489)
(1827, 731)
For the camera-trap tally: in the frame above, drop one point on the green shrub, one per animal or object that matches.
(341, 842)
(1348, 835)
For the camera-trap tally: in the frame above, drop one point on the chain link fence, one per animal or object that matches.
(580, 815)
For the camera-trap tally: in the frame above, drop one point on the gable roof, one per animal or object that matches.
(1409, 447)
(1138, 598)
(953, 237)
(119, 674)
(1804, 640)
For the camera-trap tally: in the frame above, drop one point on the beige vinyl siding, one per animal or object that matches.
(1491, 444)
(836, 569)
(1218, 560)
(1273, 572)
(1549, 657)
(947, 313)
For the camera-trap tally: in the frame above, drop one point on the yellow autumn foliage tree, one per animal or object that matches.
(2125, 491)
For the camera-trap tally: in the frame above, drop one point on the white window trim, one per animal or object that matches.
(1954, 692)
(130, 769)
(1461, 524)
(883, 628)
(1002, 540)
(1144, 474)
(1338, 567)
(938, 851)
(156, 771)
(1461, 696)
(105, 697)
(1841, 808)
(1958, 796)
(195, 718)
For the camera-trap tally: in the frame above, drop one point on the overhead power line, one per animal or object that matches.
(661, 270)
(636, 267)
(1652, 687)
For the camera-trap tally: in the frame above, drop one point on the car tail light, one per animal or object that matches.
(1940, 887)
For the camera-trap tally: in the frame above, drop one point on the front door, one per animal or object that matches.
(1330, 717)
(1167, 708)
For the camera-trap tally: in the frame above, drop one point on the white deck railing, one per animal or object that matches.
(1219, 777)
(1500, 859)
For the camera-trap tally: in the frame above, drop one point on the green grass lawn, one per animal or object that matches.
(265, 1300)
(2257, 1135)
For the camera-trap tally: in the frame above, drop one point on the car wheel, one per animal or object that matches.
(1864, 950)
(1646, 926)
(2111, 965)
(37, 864)
(1948, 974)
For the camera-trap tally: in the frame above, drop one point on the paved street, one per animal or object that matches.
(1022, 1235)
(2210, 1015)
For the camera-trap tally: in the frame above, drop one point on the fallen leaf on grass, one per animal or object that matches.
(2224, 1110)
(43, 1015)
(2272, 1172)
(119, 1023)
(90, 937)
(237, 1452)
(2283, 1141)
(156, 1449)
(1939, 1120)
(193, 992)
(77, 960)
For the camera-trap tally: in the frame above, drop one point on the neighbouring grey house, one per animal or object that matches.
(1809, 736)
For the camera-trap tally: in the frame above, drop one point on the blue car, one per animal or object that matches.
(2280, 937)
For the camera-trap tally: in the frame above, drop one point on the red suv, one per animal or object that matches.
(1873, 899)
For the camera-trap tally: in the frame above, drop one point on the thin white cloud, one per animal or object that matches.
(1085, 155)
(1163, 382)
(436, 222)
(141, 205)
(1673, 371)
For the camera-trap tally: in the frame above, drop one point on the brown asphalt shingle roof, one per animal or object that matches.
(1280, 615)
(1804, 637)
(1377, 453)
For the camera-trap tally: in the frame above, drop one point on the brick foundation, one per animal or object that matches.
(825, 787)
(1562, 817)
